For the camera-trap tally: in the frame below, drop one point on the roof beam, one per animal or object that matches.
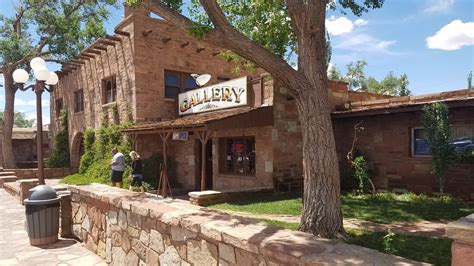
(123, 33)
(113, 38)
(106, 42)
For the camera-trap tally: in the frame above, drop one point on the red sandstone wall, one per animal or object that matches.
(386, 143)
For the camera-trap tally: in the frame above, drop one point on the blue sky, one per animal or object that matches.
(432, 41)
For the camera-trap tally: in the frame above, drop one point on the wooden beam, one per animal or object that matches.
(164, 175)
(86, 56)
(200, 49)
(113, 38)
(203, 136)
(184, 44)
(77, 61)
(98, 47)
(146, 32)
(91, 50)
(165, 40)
(106, 42)
(123, 33)
(215, 53)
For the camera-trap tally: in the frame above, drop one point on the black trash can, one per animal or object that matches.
(42, 215)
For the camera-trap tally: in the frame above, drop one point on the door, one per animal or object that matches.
(209, 172)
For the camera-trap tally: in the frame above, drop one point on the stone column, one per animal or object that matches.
(65, 214)
(462, 232)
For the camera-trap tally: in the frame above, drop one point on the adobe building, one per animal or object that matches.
(24, 146)
(235, 133)
(395, 143)
(137, 74)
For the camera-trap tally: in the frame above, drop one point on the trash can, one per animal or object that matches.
(42, 215)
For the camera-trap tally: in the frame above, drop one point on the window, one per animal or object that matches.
(110, 90)
(462, 139)
(237, 156)
(177, 82)
(78, 101)
(59, 107)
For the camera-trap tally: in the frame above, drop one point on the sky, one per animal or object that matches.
(432, 41)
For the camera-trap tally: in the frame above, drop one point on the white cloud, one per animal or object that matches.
(360, 22)
(438, 6)
(365, 43)
(20, 102)
(338, 26)
(46, 119)
(452, 36)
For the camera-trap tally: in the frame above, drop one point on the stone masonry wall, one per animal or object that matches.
(49, 173)
(126, 228)
(385, 141)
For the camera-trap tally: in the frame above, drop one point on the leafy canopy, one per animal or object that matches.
(55, 28)
(20, 120)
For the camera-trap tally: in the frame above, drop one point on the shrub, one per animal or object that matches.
(361, 174)
(59, 157)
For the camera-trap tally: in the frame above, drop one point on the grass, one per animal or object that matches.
(79, 179)
(383, 208)
(426, 249)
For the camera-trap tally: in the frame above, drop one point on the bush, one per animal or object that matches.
(361, 174)
(59, 157)
(95, 162)
(151, 169)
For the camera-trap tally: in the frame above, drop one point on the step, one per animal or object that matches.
(8, 178)
(6, 173)
(13, 188)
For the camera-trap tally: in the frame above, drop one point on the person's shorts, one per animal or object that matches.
(137, 180)
(117, 176)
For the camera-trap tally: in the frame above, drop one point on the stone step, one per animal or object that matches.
(6, 173)
(13, 188)
(8, 178)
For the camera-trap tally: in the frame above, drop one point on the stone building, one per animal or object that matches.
(395, 144)
(24, 146)
(237, 133)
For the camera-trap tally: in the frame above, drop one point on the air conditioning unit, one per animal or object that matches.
(180, 136)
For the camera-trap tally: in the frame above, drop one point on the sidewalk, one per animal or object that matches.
(16, 250)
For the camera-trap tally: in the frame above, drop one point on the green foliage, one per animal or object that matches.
(151, 169)
(20, 120)
(388, 243)
(361, 174)
(59, 156)
(357, 80)
(469, 80)
(95, 162)
(435, 120)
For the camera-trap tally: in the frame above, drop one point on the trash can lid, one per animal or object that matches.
(42, 192)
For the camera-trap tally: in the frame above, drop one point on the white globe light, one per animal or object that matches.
(41, 74)
(53, 79)
(20, 76)
(37, 62)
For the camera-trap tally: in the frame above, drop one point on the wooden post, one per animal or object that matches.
(203, 137)
(134, 138)
(164, 138)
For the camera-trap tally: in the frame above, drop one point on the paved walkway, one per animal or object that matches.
(424, 228)
(16, 250)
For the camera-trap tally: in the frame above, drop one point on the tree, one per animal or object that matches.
(263, 32)
(469, 80)
(435, 120)
(20, 120)
(59, 156)
(357, 80)
(54, 29)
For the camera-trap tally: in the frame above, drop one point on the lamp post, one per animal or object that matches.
(44, 80)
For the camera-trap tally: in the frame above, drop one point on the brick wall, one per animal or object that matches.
(385, 141)
(127, 229)
(49, 173)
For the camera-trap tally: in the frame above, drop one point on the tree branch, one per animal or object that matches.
(28, 57)
(225, 36)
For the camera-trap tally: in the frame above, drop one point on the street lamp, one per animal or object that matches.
(45, 79)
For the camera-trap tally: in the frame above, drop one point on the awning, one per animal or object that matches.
(243, 117)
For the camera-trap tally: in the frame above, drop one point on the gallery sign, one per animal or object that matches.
(224, 95)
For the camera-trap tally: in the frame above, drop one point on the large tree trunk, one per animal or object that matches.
(322, 205)
(8, 116)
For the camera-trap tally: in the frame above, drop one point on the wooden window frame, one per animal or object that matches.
(223, 153)
(79, 101)
(182, 76)
(113, 79)
(59, 106)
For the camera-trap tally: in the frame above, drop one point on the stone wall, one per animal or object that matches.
(386, 142)
(126, 228)
(49, 173)
(462, 232)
